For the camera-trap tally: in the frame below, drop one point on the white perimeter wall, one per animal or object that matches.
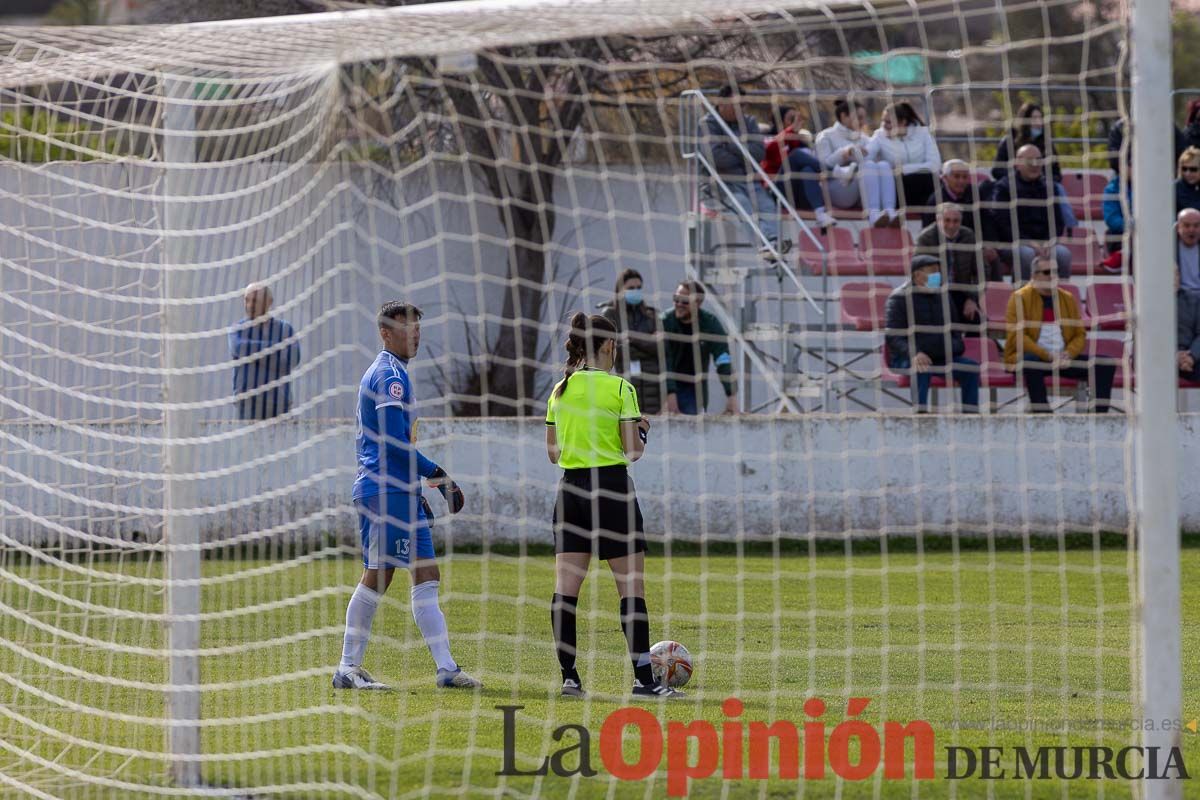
(714, 477)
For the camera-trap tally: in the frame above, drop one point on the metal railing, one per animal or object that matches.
(691, 149)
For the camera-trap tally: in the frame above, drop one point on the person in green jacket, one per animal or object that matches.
(693, 338)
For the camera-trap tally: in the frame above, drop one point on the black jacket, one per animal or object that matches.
(1116, 136)
(726, 157)
(1039, 214)
(1004, 154)
(1186, 195)
(909, 308)
(1188, 137)
(963, 258)
(641, 340)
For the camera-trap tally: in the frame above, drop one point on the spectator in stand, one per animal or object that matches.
(1116, 139)
(267, 351)
(1187, 329)
(1046, 339)
(1025, 198)
(1190, 136)
(920, 336)
(956, 186)
(728, 156)
(638, 356)
(1028, 128)
(693, 337)
(1187, 187)
(862, 120)
(1187, 249)
(790, 150)
(953, 244)
(901, 147)
(1114, 210)
(841, 149)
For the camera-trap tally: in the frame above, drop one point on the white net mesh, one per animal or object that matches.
(177, 540)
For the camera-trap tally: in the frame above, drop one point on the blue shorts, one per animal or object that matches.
(392, 520)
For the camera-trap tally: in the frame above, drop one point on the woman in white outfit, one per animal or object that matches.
(902, 146)
(841, 149)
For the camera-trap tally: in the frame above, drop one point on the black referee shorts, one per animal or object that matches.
(597, 512)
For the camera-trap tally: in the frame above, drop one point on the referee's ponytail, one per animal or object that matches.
(588, 335)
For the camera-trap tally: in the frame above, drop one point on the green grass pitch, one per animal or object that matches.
(1007, 647)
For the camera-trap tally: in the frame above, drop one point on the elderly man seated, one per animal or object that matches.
(920, 338)
(953, 244)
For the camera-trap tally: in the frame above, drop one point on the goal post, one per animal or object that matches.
(181, 525)
(199, 223)
(1156, 437)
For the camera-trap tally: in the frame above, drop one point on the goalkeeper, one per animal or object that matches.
(594, 429)
(391, 511)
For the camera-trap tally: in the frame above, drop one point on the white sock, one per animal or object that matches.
(428, 614)
(359, 615)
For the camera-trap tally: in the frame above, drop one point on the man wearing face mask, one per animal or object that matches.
(920, 338)
(639, 340)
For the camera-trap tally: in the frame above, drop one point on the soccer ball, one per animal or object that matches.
(671, 663)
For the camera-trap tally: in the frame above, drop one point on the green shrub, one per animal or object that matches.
(39, 137)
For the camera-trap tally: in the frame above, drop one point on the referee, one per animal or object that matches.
(594, 429)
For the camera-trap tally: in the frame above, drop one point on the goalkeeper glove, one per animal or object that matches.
(428, 511)
(439, 480)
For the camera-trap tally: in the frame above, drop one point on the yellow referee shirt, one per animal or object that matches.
(587, 418)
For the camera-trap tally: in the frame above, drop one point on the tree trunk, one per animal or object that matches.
(509, 383)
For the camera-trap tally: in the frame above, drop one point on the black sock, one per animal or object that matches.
(562, 620)
(635, 621)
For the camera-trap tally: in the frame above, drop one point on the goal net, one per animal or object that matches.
(199, 224)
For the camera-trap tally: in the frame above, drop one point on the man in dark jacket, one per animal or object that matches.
(1187, 329)
(1026, 197)
(265, 350)
(1116, 138)
(919, 336)
(693, 337)
(738, 172)
(953, 244)
(640, 346)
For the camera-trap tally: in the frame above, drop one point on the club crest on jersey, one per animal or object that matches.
(396, 390)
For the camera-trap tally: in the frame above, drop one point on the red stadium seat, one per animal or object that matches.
(839, 244)
(1074, 290)
(903, 379)
(886, 251)
(1085, 190)
(1086, 251)
(1111, 351)
(994, 302)
(991, 363)
(863, 304)
(1110, 305)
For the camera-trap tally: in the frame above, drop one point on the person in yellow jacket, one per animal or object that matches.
(1047, 340)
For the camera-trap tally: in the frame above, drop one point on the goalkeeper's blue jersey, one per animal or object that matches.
(387, 459)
